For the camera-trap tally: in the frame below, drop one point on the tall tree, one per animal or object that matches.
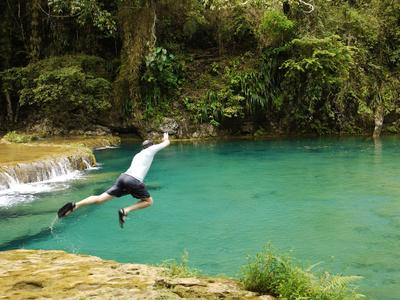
(35, 35)
(137, 24)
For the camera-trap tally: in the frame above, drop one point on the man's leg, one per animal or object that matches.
(93, 200)
(142, 203)
(70, 206)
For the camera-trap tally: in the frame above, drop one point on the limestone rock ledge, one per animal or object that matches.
(40, 274)
(33, 162)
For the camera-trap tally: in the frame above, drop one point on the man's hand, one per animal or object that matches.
(166, 136)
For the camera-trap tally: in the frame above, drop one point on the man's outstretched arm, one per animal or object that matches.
(157, 147)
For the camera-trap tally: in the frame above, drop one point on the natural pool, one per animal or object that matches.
(331, 200)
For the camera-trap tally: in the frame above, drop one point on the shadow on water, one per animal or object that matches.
(152, 186)
(8, 214)
(47, 232)
(21, 241)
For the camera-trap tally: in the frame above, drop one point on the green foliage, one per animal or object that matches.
(258, 87)
(363, 27)
(275, 28)
(313, 77)
(14, 137)
(236, 29)
(179, 269)
(162, 77)
(324, 72)
(68, 89)
(279, 276)
(389, 12)
(85, 11)
(61, 88)
(229, 87)
(11, 79)
(215, 106)
(329, 70)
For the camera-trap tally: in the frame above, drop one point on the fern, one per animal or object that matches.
(334, 282)
(279, 276)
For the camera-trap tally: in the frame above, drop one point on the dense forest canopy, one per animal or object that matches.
(255, 66)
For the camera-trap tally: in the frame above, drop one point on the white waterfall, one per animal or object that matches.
(26, 179)
(42, 170)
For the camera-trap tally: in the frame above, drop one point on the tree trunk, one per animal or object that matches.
(138, 36)
(286, 7)
(9, 107)
(379, 115)
(16, 114)
(35, 36)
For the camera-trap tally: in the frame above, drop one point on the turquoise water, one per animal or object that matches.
(335, 201)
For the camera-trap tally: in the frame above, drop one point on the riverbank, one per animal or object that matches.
(28, 274)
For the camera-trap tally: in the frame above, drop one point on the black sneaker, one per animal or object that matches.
(66, 209)
(121, 217)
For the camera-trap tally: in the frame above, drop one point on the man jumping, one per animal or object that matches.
(130, 182)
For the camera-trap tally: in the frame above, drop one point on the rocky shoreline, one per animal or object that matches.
(40, 274)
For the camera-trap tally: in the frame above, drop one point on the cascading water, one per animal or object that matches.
(27, 179)
(42, 170)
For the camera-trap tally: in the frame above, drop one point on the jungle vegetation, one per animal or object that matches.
(255, 66)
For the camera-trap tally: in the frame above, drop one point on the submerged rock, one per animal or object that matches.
(38, 274)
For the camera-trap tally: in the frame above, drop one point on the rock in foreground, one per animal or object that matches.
(36, 274)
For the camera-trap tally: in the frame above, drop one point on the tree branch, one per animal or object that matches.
(309, 5)
(56, 16)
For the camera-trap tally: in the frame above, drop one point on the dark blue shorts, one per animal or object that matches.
(127, 184)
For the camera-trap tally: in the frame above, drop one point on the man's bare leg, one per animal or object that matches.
(70, 206)
(99, 199)
(142, 203)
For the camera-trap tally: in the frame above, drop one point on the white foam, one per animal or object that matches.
(11, 200)
(18, 193)
(94, 168)
(106, 147)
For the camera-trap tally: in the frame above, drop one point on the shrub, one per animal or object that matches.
(313, 78)
(230, 86)
(279, 276)
(14, 137)
(275, 28)
(68, 89)
(162, 77)
(215, 106)
(61, 89)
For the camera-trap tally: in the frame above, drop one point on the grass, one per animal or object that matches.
(279, 276)
(180, 269)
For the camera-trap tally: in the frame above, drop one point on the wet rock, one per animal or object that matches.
(153, 135)
(97, 130)
(204, 131)
(247, 128)
(43, 127)
(169, 125)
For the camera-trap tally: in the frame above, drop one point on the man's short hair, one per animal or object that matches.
(146, 144)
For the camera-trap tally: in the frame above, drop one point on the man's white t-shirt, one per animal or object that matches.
(141, 162)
